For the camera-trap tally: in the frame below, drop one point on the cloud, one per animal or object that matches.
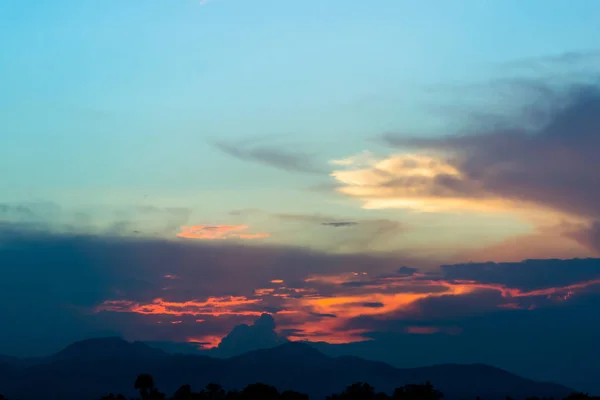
(243, 338)
(527, 275)
(277, 157)
(152, 289)
(559, 61)
(422, 330)
(377, 234)
(587, 234)
(406, 271)
(373, 304)
(416, 182)
(341, 224)
(537, 162)
(319, 315)
(101, 283)
(551, 164)
(218, 232)
(130, 220)
(214, 306)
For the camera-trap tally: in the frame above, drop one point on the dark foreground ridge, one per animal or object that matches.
(91, 369)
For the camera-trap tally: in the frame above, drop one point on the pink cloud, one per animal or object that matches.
(218, 232)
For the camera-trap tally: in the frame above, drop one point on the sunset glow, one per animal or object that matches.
(384, 298)
(410, 182)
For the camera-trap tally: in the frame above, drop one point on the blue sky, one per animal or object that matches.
(116, 104)
(146, 84)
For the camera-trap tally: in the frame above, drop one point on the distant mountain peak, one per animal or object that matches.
(108, 347)
(287, 353)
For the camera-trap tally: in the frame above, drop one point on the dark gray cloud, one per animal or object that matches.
(374, 304)
(323, 315)
(527, 275)
(406, 271)
(588, 235)
(243, 338)
(340, 224)
(546, 155)
(450, 307)
(562, 60)
(277, 157)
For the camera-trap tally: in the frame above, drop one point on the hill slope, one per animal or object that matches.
(90, 369)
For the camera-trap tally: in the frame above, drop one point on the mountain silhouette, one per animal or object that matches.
(296, 353)
(93, 368)
(106, 348)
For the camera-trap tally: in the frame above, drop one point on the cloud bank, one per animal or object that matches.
(538, 162)
(151, 289)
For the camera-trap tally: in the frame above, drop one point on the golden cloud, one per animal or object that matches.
(416, 182)
(426, 183)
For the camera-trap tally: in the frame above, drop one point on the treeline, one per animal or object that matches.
(260, 391)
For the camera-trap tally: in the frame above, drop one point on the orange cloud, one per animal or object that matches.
(322, 312)
(205, 342)
(263, 292)
(328, 330)
(252, 235)
(218, 232)
(214, 306)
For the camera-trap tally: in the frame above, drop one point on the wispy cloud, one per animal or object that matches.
(562, 60)
(277, 157)
(218, 232)
(340, 224)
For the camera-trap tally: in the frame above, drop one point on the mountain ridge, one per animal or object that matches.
(77, 373)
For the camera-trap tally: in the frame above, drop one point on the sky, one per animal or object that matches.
(172, 169)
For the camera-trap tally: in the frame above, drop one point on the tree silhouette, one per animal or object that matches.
(579, 396)
(292, 395)
(155, 394)
(381, 396)
(356, 391)
(144, 383)
(183, 393)
(232, 395)
(214, 391)
(260, 391)
(110, 396)
(417, 392)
